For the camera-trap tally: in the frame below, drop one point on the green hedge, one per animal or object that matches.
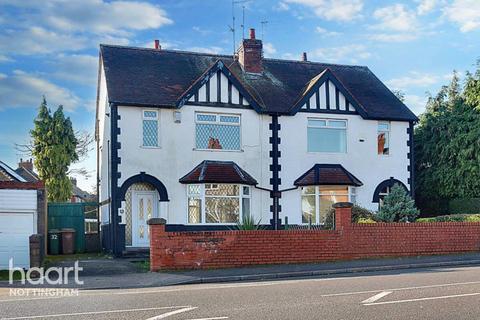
(464, 206)
(452, 218)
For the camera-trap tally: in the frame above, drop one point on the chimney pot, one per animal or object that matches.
(157, 44)
(250, 54)
(28, 165)
(304, 57)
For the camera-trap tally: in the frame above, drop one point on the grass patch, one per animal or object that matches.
(143, 266)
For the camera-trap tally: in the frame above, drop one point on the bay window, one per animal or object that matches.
(326, 135)
(318, 200)
(217, 203)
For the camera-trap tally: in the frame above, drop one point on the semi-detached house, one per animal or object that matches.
(202, 140)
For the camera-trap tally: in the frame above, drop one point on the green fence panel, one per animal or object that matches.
(69, 215)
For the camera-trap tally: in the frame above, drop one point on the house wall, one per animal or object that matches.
(361, 158)
(103, 131)
(177, 156)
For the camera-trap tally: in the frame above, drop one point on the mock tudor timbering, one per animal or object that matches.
(258, 119)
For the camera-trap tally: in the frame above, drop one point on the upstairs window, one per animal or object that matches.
(150, 128)
(214, 131)
(327, 135)
(383, 138)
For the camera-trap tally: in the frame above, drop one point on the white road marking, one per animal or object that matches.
(376, 297)
(424, 299)
(214, 318)
(402, 288)
(92, 313)
(171, 313)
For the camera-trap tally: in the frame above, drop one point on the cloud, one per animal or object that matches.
(201, 31)
(393, 37)
(211, 49)
(337, 10)
(416, 103)
(282, 6)
(326, 32)
(465, 13)
(425, 6)
(21, 89)
(76, 68)
(417, 79)
(37, 40)
(396, 18)
(4, 59)
(52, 26)
(269, 49)
(350, 53)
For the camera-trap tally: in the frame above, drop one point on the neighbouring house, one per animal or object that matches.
(204, 139)
(22, 214)
(25, 170)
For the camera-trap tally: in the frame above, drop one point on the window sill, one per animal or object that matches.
(327, 153)
(212, 224)
(147, 147)
(217, 150)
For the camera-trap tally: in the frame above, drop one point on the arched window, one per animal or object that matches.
(384, 188)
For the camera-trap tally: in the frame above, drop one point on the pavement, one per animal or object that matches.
(442, 293)
(123, 274)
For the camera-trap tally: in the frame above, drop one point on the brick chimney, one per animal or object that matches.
(74, 181)
(27, 165)
(157, 45)
(250, 54)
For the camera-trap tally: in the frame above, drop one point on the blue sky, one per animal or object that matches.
(50, 47)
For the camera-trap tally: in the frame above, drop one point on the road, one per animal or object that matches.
(436, 293)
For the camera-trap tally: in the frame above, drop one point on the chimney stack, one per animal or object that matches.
(157, 44)
(304, 57)
(27, 165)
(250, 54)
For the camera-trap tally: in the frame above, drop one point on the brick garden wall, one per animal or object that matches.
(217, 249)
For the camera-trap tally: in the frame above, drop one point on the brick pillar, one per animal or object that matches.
(157, 233)
(343, 215)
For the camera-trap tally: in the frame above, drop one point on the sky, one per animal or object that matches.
(50, 47)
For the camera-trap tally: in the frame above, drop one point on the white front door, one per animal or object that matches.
(144, 207)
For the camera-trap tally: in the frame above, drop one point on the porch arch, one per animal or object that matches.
(144, 178)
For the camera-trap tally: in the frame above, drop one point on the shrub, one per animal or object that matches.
(248, 223)
(464, 205)
(452, 218)
(366, 220)
(398, 206)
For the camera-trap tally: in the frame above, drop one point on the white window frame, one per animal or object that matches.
(388, 135)
(202, 196)
(156, 118)
(218, 122)
(327, 121)
(351, 193)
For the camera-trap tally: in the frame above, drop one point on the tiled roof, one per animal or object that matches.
(150, 77)
(327, 174)
(28, 175)
(9, 173)
(218, 172)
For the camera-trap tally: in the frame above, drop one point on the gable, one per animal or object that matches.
(218, 87)
(326, 94)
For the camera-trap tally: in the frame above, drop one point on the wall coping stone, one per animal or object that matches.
(156, 221)
(342, 205)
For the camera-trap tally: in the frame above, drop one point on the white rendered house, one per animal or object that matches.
(203, 140)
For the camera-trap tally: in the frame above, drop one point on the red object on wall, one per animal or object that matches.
(221, 249)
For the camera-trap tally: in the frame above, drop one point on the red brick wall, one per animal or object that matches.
(216, 249)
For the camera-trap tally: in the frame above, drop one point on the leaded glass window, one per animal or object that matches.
(217, 131)
(217, 203)
(150, 128)
(383, 138)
